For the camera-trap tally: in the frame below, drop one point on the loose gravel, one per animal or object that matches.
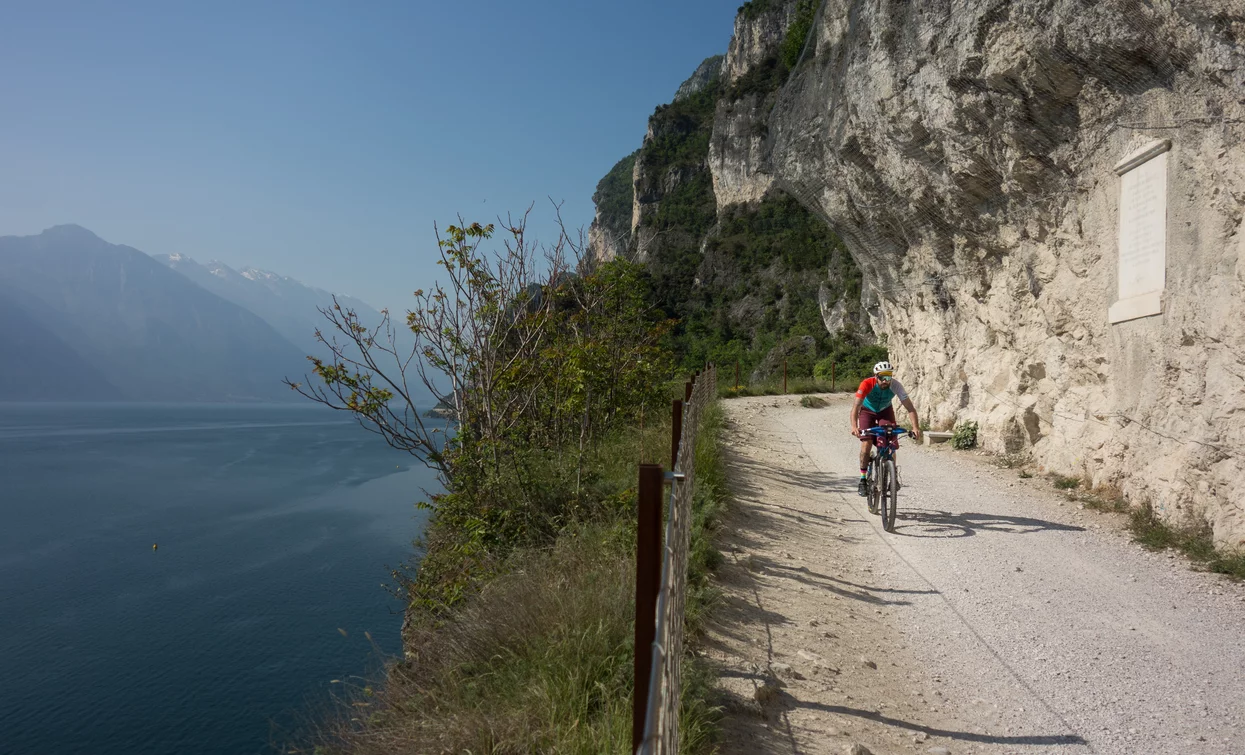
(999, 617)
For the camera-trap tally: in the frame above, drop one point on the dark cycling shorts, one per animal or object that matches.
(870, 419)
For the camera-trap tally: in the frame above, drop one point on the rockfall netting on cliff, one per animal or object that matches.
(1045, 197)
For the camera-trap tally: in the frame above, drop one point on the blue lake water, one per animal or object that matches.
(275, 526)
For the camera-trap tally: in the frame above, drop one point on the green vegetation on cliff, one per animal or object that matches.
(613, 196)
(741, 283)
(748, 281)
(797, 34)
(759, 285)
(703, 266)
(521, 609)
(767, 76)
(539, 659)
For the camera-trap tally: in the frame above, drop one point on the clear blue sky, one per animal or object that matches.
(322, 139)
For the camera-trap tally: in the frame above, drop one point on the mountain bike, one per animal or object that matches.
(882, 480)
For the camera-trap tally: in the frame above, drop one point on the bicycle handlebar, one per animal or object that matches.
(885, 431)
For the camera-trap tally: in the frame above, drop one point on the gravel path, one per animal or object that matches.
(998, 618)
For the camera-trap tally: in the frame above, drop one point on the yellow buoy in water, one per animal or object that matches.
(154, 546)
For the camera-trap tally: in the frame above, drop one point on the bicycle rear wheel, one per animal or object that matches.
(889, 495)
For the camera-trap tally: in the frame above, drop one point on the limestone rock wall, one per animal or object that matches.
(605, 244)
(736, 149)
(759, 29)
(965, 153)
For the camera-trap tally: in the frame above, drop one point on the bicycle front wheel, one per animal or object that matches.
(890, 496)
(873, 486)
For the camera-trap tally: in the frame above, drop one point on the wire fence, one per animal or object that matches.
(661, 712)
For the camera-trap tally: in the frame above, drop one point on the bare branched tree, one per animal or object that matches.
(473, 334)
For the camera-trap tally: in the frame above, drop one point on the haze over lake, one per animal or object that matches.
(275, 526)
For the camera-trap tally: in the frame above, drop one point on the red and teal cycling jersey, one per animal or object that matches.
(878, 398)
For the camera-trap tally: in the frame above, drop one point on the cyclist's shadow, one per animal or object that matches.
(934, 523)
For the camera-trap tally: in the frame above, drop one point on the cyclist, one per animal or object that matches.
(873, 406)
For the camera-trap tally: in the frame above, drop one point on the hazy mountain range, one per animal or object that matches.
(290, 307)
(86, 320)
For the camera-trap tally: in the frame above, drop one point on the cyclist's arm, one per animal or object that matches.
(856, 416)
(916, 422)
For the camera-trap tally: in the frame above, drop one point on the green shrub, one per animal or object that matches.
(1066, 483)
(797, 33)
(964, 436)
(813, 402)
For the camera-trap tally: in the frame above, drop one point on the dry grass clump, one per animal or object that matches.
(1062, 482)
(813, 402)
(1013, 460)
(1196, 543)
(538, 661)
(1105, 498)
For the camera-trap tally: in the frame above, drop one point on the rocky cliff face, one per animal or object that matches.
(735, 151)
(754, 74)
(746, 269)
(705, 75)
(965, 153)
(760, 26)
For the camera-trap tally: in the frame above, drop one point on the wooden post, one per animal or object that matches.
(687, 391)
(647, 585)
(736, 375)
(676, 431)
(643, 445)
(784, 375)
(832, 366)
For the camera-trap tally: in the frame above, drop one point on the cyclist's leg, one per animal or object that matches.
(867, 420)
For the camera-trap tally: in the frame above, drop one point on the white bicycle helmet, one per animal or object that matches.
(883, 367)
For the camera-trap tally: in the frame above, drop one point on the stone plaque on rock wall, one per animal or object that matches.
(1142, 267)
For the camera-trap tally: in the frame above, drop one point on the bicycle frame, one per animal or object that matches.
(885, 440)
(885, 443)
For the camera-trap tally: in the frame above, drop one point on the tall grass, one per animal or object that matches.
(540, 658)
(1197, 543)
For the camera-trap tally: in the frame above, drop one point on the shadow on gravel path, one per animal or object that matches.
(963, 736)
(932, 523)
(863, 593)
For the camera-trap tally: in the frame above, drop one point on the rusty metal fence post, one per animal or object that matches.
(676, 430)
(648, 559)
(832, 366)
(784, 376)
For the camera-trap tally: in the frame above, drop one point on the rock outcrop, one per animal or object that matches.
(609, 236)
(708, 72)
(753, 72)
(736, 151)
(760, 26)
(965, 153)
